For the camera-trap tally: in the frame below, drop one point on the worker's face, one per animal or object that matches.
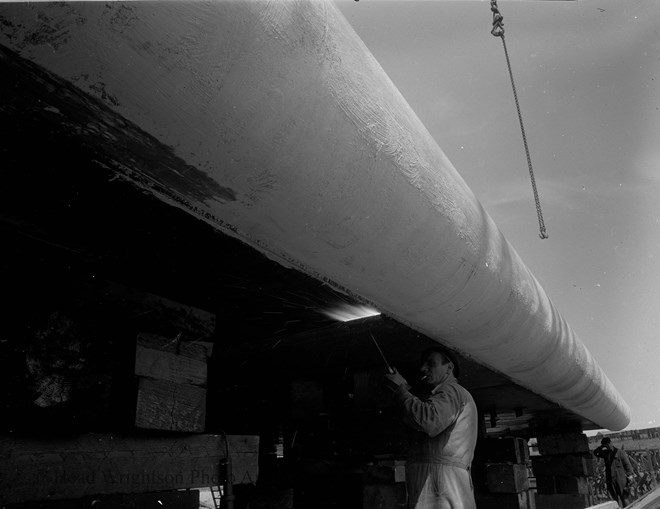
(435, 369)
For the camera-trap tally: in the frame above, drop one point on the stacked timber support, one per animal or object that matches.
(501, 474)
(562, 471)
(172, 376)
(89, 377)
(384, 485)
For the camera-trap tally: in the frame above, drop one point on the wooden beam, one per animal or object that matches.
(33, 469)
(166, 405)
(169, 366)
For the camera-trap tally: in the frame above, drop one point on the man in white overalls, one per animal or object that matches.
(443, 434)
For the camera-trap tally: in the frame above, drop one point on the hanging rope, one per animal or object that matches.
(498, 31)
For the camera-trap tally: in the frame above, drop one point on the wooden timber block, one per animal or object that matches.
(400, 471)
(531, 499)
(563, 465)
(181, 499)
(504, 500)
(34, 469)
(193, 323)
(507, 478)
(570, 484)
(568, 443)
(185, 499)
(546, 484)
(167, 359)
(502, 450)
(384, 496)
(166, 405)
(562, 501)
(378, 474)
(244, 452)
(384, 472)
(562, 484)
(199, 350)
(523, 448)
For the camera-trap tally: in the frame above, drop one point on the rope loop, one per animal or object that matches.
(498, 31)
(498, 25)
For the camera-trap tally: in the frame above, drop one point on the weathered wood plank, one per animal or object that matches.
(169, 366)
(165, 405)
(572, 484)
(521, 500)
(507, 478)
(193, 323)
(568, 464)
(33, 469)
(567, 443)
(199, 350)
(179, 499)
(502, 450)
(384, 496)
(564, 501)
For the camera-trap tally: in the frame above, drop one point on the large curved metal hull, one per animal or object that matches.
(297, 142)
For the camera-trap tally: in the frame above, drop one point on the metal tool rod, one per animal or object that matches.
(387, 364)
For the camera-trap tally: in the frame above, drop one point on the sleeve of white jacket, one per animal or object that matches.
(433, 415)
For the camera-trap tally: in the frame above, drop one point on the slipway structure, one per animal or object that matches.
(272, 122)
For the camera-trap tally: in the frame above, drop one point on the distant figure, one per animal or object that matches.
(618, 471)
(443, 434)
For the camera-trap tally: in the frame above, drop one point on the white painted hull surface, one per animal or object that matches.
(319, 163)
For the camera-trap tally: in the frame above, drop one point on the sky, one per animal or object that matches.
(587, 74)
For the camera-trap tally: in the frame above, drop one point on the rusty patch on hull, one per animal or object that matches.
(30, 91)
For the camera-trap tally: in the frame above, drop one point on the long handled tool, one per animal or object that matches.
(390, 369)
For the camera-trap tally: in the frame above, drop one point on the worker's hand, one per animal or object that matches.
(394, 380)
(630, 479)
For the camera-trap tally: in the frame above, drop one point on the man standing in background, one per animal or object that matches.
(618, 470)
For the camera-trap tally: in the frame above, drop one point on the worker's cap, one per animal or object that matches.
(447, 354)
(605, 440)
